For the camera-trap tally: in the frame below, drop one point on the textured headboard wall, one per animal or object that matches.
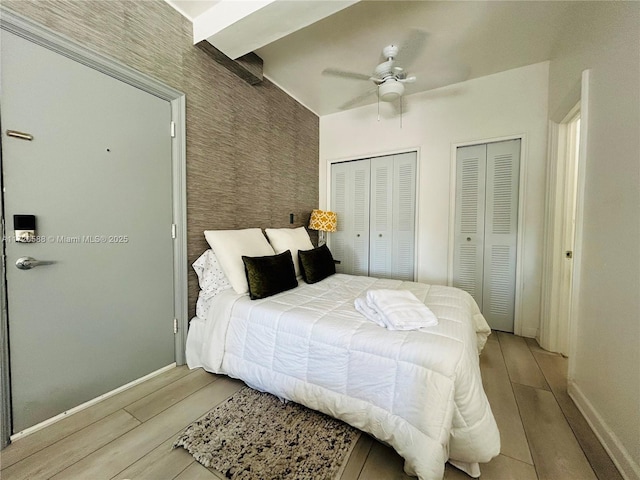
(252, 151)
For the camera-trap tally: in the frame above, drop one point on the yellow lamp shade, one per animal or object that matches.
(324, 221)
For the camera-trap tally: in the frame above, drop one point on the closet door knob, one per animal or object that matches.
(357, 235)
(468, 239)
(380, 235)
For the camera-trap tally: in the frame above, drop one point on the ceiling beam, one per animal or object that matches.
(248, 67)
(239, 27)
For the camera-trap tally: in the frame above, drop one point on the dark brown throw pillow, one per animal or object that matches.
(316, 264)
(269, 275)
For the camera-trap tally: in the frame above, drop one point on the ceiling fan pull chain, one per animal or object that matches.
(378, 102)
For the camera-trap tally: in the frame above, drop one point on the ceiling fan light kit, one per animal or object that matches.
(388, 77)
(390, 90)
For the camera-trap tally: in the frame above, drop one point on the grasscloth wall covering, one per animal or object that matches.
(252, 151)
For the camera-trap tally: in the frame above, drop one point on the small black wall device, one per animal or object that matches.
(24, 227)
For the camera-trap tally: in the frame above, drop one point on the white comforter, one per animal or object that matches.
(418, 391)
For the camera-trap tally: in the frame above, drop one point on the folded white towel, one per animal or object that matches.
(400, 309)
(368, 312)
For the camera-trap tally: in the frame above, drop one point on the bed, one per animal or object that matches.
(419, 391)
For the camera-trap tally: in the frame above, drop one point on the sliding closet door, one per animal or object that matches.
(375, 202)
(350, 188)
(381, 217)
(338, 239)
(468, 255)
(486, 228)
(501, 229)
(404, 216)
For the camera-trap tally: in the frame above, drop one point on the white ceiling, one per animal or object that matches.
(464, 40)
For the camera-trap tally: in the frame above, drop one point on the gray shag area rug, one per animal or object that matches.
(255, 436)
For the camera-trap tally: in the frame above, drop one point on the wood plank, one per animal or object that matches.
(58, 456)
(555, 450)
(554, 367)
(218, 476)
(521, 365)
(160, 400)
(41, 439)
(195, 471)
(161, 462)
(129, 448)
(493, 337)
(357, 459)
(500, 468)
(383, 463)
(497, 386)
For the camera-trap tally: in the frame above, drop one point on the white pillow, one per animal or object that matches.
(293, 239)
(229, 247)
(211, 279)
(210, 274)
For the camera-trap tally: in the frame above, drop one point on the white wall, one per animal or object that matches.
(605, 368)
(504, 104)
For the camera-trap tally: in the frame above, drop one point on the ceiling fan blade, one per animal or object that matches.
(345, 74)
(412, 47)
(358, 99)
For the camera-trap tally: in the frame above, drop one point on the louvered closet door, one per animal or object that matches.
(359, 202)
(468, 255)
(501, 229)
(375, 202)
(404, 216)
(350, 190)
(338, 239)
(486, 228)
(381, 217)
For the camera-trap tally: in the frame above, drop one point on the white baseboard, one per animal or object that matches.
(629, 468)
(81, 407)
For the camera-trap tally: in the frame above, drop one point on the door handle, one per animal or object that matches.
(27, 263)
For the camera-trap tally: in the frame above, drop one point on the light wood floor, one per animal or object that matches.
(130, 434)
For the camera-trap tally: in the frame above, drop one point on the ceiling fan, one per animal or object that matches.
(389, 77)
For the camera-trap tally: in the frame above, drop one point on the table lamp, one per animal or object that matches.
(323, 221)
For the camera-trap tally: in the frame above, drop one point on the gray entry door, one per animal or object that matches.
(97, 177)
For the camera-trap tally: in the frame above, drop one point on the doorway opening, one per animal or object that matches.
(561, 233)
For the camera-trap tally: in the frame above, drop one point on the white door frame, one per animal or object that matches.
(62, 45)
(549, 322)
(555, 305)
(517, 316)
(574, 320)
(5, 379)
